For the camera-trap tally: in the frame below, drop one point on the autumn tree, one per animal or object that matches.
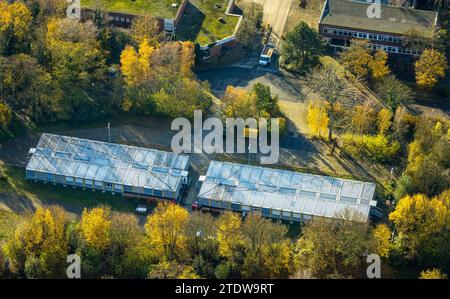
(378, 66)
(430, 68)
(28, 87)
(15, 22)
(75, 52)
(364, 118)
(95, 227)
(424, 245)
(430, 38)
(301, 48)
(38, 248)
(160, 80)
(171, 270)
(382, 238)
(317, 119)
(165, 230)
(202, 244)
(334, 249)
(268, 252)
(426, 171)
(237, 102)
(384, 121)
(334, 92)
(5, 116)
(128, 255)
(393, 92)
(145, 28)
(359, 60)
(432, 274)
(231, 243)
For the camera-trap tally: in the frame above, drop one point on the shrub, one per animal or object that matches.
(377, 148)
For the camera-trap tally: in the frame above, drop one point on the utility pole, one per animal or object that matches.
(109, 132)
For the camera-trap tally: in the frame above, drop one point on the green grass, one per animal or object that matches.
(201, 24)
(13, 183)
(155, 8)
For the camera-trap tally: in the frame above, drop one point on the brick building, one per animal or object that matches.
(344, 20)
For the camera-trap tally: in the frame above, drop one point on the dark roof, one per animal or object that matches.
(394, 19)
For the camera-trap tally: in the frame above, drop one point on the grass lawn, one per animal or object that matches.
(156, 8)
(201, 24)
(25, 195)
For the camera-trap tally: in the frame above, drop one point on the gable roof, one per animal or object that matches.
(394, 19)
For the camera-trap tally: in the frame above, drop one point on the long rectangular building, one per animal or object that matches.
(283, 194)
(344, 20)
(116, 168)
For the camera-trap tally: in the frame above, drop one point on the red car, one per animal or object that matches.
(196, 206)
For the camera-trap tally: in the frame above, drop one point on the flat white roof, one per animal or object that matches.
(285, 190)
(108, 162)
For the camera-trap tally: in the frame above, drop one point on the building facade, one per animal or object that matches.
(386, 29)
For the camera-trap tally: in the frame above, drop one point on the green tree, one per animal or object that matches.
(301, 48)
(250, 27)
(393, 92)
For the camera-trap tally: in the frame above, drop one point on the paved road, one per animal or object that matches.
(276, 12)
(285, 86)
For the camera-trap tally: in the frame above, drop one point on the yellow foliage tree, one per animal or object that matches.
(432, 274)
(363, 118)
(15, 18)
(384, 120)
(430, 67)
(378, 65)
(433, 216)
(239, 103)
(382, 238)
(136, 66)
(165, 230)
(228, 234)
(130, 66)
(145, 55)
(317, 119)
(357, 58)
(95, 227)
(5, 116)
(187, 57)
(41, 241)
